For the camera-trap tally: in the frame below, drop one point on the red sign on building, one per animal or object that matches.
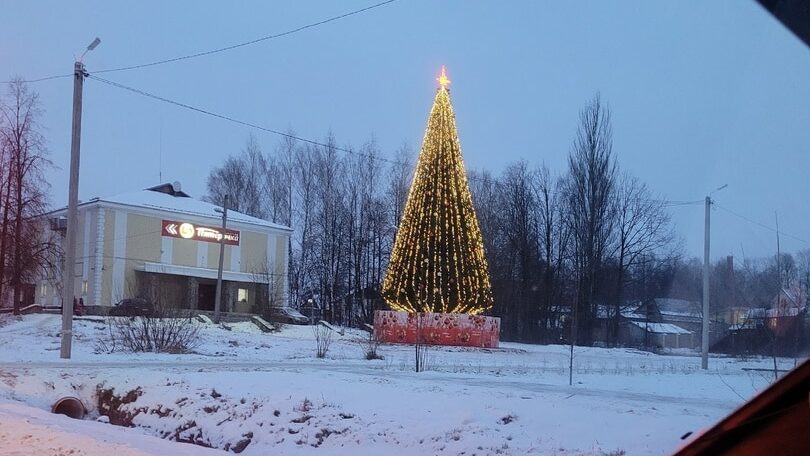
(186, 230)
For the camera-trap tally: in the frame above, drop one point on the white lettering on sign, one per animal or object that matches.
(187, 230)
(208, 233)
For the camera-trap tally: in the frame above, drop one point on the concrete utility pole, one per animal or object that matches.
(68, 284)
(218, 297)
(704, 345)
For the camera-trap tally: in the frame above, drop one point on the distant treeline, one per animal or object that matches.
(590, 237)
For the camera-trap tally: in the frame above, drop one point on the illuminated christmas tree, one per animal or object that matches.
(438, 262)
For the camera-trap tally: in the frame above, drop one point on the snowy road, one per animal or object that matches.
(523, 385)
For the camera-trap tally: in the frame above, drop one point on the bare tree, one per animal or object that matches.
(520, 250)
(380, 242)
(303, 218)
(276, 189)
(786, 269)
(285, 161)
(366, 233)
(485, 191)
(330, 217)
(803, 269)
(270, 295)
(242, 178)
(23, 190)
(590, 187)
(553, 234)
(400, 177)
(642, 228)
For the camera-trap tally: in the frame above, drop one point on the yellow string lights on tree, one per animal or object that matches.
(438, 262)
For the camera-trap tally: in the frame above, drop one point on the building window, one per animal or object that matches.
(43, 289)
(242, 295)
(84, 287)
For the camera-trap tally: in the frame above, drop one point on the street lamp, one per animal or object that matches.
(90, 47)
(718, 189)
(704, 346)
(73, 202)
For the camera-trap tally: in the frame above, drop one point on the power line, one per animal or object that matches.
(259, 127)
(681, 203)
(226, 48)
(247, 43)
(761, 225)
(302, 139)
(240, 122)
(47, 78)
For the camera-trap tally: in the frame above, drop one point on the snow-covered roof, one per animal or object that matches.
(626, 310)
(155, 200)
(788, 312)
(660, 328)
(633, 315)
(679, 307)
(688, 316)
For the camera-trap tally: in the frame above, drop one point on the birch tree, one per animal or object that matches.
(23, 191)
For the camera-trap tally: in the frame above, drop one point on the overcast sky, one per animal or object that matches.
(702, 93)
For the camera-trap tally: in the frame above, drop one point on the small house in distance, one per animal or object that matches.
(667, 323)
(686, 314)
(162, 245)
(660, 335)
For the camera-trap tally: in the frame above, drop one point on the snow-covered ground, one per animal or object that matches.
(26, 431)
(246, 390)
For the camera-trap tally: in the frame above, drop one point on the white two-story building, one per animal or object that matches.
(162, 245)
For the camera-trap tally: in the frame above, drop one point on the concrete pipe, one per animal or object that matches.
(70, 406)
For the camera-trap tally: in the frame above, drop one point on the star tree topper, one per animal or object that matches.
(444, 81)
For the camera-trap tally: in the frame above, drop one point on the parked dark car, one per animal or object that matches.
(286, 315)
(132, 307)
